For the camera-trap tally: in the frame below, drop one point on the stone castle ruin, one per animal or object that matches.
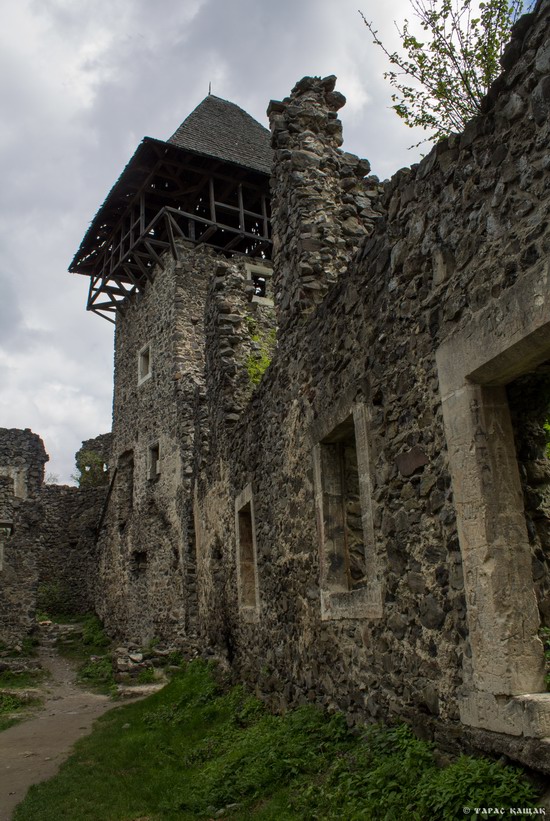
(327, 461)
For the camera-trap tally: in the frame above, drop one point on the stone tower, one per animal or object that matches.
(178, 210)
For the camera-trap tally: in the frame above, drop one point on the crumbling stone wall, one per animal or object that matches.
(68, 562)
(22, 459)
(22, 456)
(48, 537)
(458, 231)
(322, 203)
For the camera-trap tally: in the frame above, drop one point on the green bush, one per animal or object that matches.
(391, 772)
(146, 676)
(9, 703)
(93, 634)
(472, 782)
(91, 469)
(14, 709)
(98, 672)
(52, 599)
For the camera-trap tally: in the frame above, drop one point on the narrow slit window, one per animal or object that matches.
(144, 364)
(139, 562)
(153, 468)
(247, 571)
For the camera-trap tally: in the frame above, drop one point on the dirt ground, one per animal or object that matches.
(33, 751)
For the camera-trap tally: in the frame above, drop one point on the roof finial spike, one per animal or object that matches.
(210, 88)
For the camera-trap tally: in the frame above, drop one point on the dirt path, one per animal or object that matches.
(33, 750)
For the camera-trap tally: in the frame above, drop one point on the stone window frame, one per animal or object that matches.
(144, 363)
(265, 272)
(365, 602)
(153, 461)
(504, 680)
(245, 499)
(19, 475)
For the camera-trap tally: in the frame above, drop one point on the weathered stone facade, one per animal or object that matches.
(48, 537)
(364, 525)
(22, 460)
(159, 366)
(68, 563)
(402, 360)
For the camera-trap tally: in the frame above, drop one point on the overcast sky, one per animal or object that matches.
(81, 83)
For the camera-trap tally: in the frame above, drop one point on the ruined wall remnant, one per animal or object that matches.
(68, 561)
(48, 556)
(22, 460)
(322, 205)
(68, 565)
(22, 457)
(92, 461)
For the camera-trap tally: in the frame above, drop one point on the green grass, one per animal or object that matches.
(97, 673)
(14, 709)
(28, 678)
(192, 749)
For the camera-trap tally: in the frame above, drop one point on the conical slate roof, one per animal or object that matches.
(220, 129)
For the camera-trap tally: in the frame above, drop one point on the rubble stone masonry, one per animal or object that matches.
(22, 459)
(398, 359)
(331, 469)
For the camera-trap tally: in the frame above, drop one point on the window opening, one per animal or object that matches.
(139, 561)
(247, 571)
(504, 689)
(154, 461)
(261, 278)
(350, 568)
(529, 403)
(260, 285)
(144, 364)
(342, 510)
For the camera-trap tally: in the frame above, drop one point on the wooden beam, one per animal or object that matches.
(129, 273)
(207, 234)
(233, 242)
(230, 228)
(265, 217)
(141, 212)
(175, 224)
(241, 207)
(147, 273)
(170, 230)
(212, 199)
(152, 251)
